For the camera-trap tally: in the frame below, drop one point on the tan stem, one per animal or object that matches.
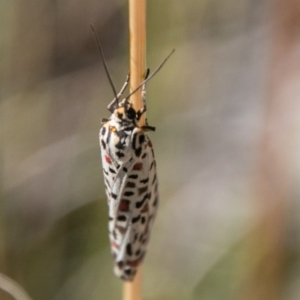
(137, 35)
(133, 290)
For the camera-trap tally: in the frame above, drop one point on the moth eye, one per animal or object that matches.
(112, 129)
(130, 113)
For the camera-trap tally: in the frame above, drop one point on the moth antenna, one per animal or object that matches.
(148, 78)
(103, 61)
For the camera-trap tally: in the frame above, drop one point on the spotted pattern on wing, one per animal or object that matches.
(131, 188)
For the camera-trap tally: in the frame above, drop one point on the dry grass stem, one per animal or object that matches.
(137, 36)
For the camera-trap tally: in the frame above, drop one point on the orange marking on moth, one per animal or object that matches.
(138, 166)
(107, 159)
(124, 205)
(145, 208)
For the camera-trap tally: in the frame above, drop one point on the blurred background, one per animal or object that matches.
(227, 147)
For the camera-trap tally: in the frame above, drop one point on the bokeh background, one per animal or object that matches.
(226, 107)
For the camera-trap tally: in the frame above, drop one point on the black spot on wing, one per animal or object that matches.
(141, 139)
(141, 203)
(134, 141)
(144, 180)
(154, 179)
(114, 196)
(103, 144)
(129, 249)
(128, 271)
(112, 170)
(120, 264)
(138, 151)
(108, 136)
(136, 219)
(122, 218)
(103, 130)
(130, 184)
(120, 154)
(151, 166)
(120, 145)
(133, 176)
(128, 193)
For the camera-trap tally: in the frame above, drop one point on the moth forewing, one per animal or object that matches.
(132, 191)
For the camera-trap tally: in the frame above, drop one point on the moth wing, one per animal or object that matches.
(131, 189)
(109, 168)
(136, 211)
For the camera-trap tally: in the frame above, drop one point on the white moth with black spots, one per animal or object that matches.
(130, 178)
(131, 185)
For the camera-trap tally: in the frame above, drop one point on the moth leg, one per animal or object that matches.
(148, 128)
(144, 109)
(114, 103)
(140, 112)
(144, 87)
(104, 120)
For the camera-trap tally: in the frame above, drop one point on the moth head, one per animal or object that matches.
(129, 111)
(125, 113)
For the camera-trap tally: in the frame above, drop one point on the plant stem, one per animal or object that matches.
(133, 290)
(137, 36)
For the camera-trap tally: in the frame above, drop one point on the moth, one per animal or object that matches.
(130, 177)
